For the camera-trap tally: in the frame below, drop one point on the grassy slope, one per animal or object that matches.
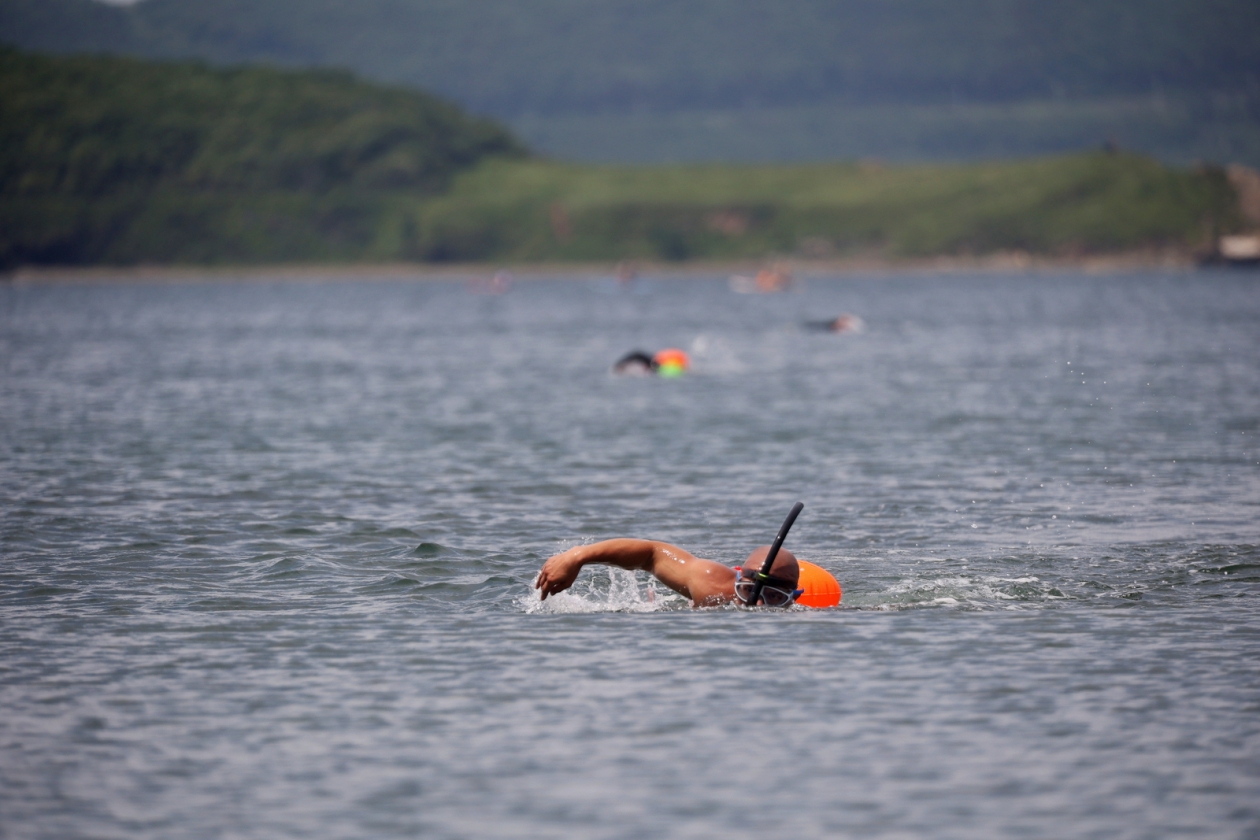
(1079, 204)
(117, 160)
(526, 211)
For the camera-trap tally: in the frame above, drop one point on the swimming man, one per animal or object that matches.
(705, 582)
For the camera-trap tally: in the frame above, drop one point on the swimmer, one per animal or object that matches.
(667, 363)
(776, 279)
(496, 285)
(635, 362)
(627, 272)
(705, 582)
(842, 323)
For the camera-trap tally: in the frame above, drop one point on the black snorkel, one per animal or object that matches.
(760, 577)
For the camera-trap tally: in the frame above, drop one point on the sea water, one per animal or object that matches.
(268, 545)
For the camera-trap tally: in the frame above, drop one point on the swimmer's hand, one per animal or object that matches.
(559, 572)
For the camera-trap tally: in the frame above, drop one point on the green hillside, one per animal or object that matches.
(1183, 75)
(117, 161)
(1075, 205)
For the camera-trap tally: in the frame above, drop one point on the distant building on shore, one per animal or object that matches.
(1244, 248)
(1240, 250)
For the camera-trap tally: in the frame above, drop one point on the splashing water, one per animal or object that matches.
(605, 590)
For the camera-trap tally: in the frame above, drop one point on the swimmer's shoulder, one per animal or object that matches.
(711, 584)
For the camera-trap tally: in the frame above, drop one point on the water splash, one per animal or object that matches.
(603, 591)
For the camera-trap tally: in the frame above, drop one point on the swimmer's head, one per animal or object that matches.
(777, 588)
(785, 567)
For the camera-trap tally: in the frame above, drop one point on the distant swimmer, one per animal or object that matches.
(775, 279)
(842, 324)
(627, 272)
(770, 577)
(669, 363)
(496, 285)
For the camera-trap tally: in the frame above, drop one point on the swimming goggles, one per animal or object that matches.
(771, 596)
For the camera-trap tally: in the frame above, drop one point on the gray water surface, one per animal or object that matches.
(267, 550)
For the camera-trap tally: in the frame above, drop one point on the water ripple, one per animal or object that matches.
(269, 552)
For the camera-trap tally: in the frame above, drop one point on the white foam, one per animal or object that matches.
(958, 590)
(601, 591)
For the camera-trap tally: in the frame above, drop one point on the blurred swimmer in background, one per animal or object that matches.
(669, 363)
(496, 285)
(841, 324)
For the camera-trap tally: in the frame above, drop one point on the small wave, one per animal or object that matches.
(960, 591)
(607, 590)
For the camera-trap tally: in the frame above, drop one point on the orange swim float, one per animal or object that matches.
(821, 588)
(671, 362)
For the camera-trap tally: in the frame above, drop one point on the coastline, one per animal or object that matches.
(1000, 262)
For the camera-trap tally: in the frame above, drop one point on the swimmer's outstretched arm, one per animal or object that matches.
(703, 581)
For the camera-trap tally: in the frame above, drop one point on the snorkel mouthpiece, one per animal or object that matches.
(761, 576)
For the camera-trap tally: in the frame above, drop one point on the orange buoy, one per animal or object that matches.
(821, 588)
(671, 362)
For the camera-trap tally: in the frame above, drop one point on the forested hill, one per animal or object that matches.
(507, 58)
(90, 145)
(96, 125)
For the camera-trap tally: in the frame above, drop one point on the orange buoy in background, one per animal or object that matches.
(821, 588)
(671, 362)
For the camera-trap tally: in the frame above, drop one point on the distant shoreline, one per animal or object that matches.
(1016, 262)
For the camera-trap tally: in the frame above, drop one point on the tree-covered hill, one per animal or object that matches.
(89, 144)
(83, 126)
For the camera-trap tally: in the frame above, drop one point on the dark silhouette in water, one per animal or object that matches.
(842, 323)
(635, 361)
